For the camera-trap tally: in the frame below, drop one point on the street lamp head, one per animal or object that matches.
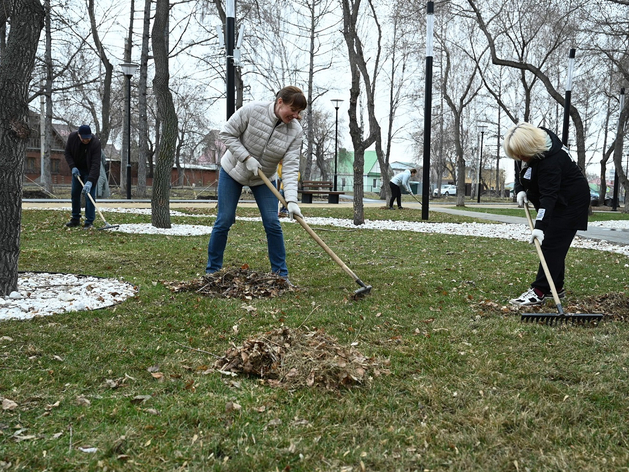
(129, 68)
(336, 102)
(482, 128)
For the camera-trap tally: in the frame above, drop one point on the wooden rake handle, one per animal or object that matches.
(542, 260)
(309, 230)
(93, 202)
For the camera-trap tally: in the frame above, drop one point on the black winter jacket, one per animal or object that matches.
(556, 187)
(89, 161)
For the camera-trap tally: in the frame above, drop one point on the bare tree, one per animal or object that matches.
(522, 27)
(460, 87)
(144, 155)
(17, 58)
(46, 119)
(160, 201)
(105, 89)
(362, 77)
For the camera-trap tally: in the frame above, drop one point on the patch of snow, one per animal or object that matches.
(43, 294)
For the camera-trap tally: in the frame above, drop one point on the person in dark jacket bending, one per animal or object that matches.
(554, 184)
(83, 157)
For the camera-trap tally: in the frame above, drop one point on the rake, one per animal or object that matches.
(107, 225)
(365, 289)
(416, 199)
(561, 317)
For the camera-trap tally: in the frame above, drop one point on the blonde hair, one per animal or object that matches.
(525, 140)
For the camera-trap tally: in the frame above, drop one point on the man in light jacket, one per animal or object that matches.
(258, 136)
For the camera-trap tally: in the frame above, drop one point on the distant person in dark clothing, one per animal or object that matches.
(83, 157)
(396, 183)
(558, 190)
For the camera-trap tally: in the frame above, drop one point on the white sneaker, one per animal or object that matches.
(528, 298)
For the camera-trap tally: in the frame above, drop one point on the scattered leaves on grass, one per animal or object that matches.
(241, 283)
(8, 404)
(614, 306)
(294, 358)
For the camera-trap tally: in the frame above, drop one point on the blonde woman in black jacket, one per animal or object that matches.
(554, 184)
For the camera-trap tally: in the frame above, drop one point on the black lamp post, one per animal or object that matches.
(230, 73)
(430, 26)
(566, 107)
(128, 69)
(336, 102)
(618, 133)
(482, 129)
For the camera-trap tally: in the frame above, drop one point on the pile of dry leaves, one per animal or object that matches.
(235, 283)
(614, 306)
(294, 358)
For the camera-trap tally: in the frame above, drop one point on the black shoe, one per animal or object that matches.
(88, 226)
(73, 223)
(390, 208)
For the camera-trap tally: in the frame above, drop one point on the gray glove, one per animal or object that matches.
(252, 165)
(87, 187)
(293, 210)
(537, 234)
(521, 198)
(75, 172)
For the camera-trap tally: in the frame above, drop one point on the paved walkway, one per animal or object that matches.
(618, 236)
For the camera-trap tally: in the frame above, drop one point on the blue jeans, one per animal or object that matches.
(90, 210)
(228, 195)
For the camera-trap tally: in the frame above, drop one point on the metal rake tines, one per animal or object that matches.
(552, 320)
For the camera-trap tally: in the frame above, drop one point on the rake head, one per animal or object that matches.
(108, 226)
(551, 319)
(363, 290)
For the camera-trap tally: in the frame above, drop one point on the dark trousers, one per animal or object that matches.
(396, 193)
(555, 248)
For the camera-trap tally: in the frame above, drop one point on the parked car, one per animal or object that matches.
(446, 190)
(594, 198)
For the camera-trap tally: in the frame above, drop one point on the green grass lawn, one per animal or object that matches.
(468, 388)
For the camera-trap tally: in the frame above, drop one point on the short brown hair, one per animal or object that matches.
(293, 97)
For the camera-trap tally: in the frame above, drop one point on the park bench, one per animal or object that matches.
(315, 187)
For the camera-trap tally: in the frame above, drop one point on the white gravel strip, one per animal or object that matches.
(41, 294)
(174, 230)
(615, 224)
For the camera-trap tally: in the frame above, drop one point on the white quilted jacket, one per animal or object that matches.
(252, 131)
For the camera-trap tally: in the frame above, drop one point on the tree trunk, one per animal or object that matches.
(160, 200)
(105, 129)
(359, 71)
(46, 174)
(144, 155)
(16, 66)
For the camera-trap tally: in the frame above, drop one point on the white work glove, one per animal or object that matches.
(293, 210)
(537, 234)
(252, 165)
(521, 198)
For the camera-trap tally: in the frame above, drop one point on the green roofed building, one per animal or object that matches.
(372, 179)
